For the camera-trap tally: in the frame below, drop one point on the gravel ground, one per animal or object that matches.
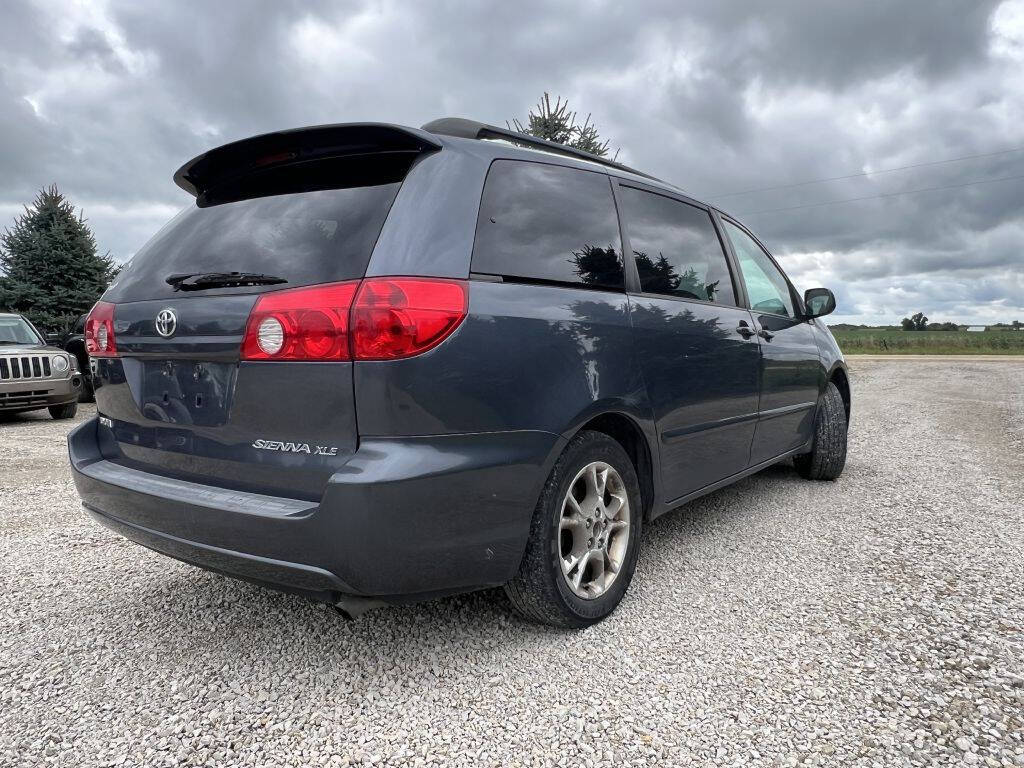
(875, 621)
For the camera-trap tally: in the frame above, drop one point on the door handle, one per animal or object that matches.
(745, 330)
(766, 335)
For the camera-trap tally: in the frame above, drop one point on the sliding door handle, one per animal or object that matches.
(766, 335)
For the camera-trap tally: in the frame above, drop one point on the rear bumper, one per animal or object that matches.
(403, 519)
(32, 394)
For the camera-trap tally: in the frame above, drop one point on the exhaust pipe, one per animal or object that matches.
(351, 607)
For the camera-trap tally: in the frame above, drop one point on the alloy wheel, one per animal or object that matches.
(593, 531)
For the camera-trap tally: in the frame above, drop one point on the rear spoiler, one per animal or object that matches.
(231, 163)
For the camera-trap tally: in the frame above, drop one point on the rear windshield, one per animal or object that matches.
(305, 238)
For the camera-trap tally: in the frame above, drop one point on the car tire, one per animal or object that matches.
(543, 590)
(66, 411)
(828, 454)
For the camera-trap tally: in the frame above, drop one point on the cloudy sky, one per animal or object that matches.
(107, 99)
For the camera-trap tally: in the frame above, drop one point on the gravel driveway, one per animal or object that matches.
(875, 621)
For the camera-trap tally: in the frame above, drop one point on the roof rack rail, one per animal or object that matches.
(471, 129)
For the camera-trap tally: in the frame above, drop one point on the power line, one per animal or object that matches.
(888, 194)
(866, 173)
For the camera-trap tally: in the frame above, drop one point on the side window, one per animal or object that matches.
(676, 248)
(766, 287)
(548, 222)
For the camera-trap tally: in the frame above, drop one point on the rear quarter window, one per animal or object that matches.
(548, 223)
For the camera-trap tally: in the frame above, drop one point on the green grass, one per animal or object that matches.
(884, 341)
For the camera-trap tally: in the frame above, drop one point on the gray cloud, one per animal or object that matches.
(107, 101)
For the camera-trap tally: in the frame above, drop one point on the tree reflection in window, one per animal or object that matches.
(598, 266)
(676, 248)
(602, 266)
(660, 276)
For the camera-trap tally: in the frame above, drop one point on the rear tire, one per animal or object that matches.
(828, 454)
(66, 411)
(547, 589)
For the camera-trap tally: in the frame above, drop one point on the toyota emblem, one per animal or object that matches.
(166, 322)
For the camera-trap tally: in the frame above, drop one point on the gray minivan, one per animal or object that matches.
(376, 364)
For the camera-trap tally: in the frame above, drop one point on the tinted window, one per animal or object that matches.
(548, 222)
(766, 287)
(306, 237)
(676, 248)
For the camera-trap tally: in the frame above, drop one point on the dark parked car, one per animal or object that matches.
(375, 364)
(34, 375)
(73, 341)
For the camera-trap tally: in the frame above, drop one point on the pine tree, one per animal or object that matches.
(558, 124)
(49, 269)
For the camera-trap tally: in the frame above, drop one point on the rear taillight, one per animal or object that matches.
(300, 324)
(99, 331)
(380, 318)
(396, 317)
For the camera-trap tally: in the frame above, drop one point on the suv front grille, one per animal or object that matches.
(27, 398)
(24, 367)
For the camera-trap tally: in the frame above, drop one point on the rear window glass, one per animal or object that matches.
(306, 238)
(548, 223)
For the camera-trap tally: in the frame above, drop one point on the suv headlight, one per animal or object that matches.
(59, 363)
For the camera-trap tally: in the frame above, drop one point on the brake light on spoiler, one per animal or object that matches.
(379, 318)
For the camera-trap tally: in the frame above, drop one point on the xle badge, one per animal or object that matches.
(312, 450)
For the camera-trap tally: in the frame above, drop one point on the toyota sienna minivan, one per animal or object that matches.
(374, 365)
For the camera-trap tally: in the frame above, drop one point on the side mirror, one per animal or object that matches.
(53, 336)
(818, 302)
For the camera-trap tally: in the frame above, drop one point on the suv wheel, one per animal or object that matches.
(828, 454)
(584, 538)
(66, 411)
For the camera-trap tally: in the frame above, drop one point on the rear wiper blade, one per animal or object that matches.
(197, 281)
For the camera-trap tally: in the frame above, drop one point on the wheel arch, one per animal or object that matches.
(626, 430)
(840, 377)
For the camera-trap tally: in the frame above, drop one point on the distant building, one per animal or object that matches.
(976, 328)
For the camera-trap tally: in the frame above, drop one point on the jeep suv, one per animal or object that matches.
(34, 375)
(374, 364)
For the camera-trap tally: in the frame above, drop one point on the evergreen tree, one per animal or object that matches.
(558, 124)
(49, 269)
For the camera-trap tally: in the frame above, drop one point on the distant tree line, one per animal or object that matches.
(918, 322)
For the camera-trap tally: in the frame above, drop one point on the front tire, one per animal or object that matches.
(584, 537)
(66, 411)
(828, 454)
